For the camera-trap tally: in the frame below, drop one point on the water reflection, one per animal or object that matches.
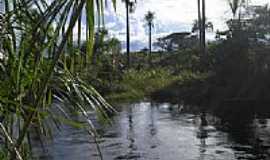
(131, 134)
(161, 131)
(202, 135)
(152, 125)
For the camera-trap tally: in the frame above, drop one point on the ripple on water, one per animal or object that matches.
(144, 131)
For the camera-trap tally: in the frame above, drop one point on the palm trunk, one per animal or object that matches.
(203, 28)
(200, 25)
(128, 38)
(150, 44)
(79, 30)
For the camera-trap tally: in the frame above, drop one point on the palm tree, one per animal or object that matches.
(196, 28)
(149, 18)
(235, 5)
(130, 7)
(31, 81)
(198, 24)
(202, 26)
(113, 47)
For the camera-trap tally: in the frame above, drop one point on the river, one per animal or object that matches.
(159, 131)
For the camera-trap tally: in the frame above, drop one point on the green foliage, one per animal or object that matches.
(138, 84)
(35, 76)
(149, 18)
(177, 41)
(3, 155)
(188, 87)
(236, 68)
(188, 59)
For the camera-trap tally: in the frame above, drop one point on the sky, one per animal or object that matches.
(170, 16)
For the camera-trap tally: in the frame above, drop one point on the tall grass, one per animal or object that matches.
(137, 84)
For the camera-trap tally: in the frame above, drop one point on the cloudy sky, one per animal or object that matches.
(171, 16)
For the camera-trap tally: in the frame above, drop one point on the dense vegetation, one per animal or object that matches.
(236, 66)
(38, 71)
(42, 66)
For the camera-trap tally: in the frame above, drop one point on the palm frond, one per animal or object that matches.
(32, 80)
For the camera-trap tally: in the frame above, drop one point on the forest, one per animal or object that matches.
(69, 90)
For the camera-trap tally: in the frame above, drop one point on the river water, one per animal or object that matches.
(147, 131)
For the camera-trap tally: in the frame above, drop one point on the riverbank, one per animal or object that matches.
(143, 78)
(226, 100)
(139, 84)
(176, 77)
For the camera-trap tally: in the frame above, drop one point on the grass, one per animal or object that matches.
(137, 84)
(188, 86)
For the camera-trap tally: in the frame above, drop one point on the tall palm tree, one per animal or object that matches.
(149, 18)
(130, 7)
(202, 26)
(235, 5)
(199, 22)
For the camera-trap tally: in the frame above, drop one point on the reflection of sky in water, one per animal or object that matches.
(155, 131)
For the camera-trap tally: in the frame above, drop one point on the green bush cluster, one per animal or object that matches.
(139, 84)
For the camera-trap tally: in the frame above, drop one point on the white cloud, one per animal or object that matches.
(170, 16)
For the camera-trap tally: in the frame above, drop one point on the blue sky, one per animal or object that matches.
(171, 16)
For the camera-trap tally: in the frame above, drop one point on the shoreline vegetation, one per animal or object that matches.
(42, 60)
(216, 89)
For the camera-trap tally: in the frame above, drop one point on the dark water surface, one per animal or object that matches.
(145, 131)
